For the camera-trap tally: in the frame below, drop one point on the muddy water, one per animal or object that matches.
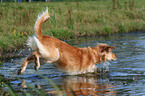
(125, 76)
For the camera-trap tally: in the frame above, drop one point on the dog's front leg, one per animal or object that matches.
(28, 60)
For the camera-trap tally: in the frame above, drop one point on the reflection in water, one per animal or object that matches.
(81, 85)
(86, 85)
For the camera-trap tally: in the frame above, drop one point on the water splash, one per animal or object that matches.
(104, 67)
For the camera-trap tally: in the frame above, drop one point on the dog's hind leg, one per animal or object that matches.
(28, 60)
(37, 60)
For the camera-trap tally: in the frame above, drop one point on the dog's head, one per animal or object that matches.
(106, 52)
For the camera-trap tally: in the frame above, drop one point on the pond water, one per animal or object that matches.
(123, 77)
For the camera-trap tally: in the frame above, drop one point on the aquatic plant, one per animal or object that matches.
(33, 90)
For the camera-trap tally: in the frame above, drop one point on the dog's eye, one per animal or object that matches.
(107, 51)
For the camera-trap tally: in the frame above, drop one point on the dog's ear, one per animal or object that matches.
(111, 47)
(106, 48)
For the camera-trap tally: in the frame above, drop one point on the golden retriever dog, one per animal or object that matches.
(83, 86)
(70, 59)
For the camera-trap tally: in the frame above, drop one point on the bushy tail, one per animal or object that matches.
(40, 19)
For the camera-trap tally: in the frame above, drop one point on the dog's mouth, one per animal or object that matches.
(113, 59)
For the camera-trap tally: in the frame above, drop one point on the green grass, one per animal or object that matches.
(68, 20)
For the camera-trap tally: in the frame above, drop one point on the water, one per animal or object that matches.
(123, 77)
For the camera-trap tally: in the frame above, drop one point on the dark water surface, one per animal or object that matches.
(123, 77)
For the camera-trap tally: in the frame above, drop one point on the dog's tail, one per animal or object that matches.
(40, 19)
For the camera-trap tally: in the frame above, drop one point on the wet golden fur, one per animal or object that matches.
(70, 59)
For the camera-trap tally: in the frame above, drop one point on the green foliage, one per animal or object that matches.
(31, 90)
(68, 19)
(12, 93)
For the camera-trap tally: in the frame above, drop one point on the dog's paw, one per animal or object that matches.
(20, 71)
(36, 67)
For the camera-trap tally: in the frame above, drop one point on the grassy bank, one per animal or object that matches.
(68, 20)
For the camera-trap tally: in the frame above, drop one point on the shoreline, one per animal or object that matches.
(22, 52)
(69, 20)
